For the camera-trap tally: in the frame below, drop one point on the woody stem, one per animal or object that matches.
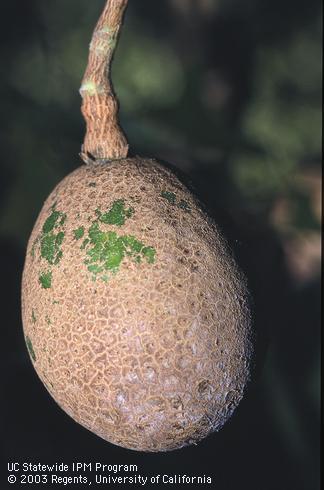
(104, 139)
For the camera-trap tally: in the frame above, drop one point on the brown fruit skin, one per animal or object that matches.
(158, 356)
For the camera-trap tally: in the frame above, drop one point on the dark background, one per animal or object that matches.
(229, 91)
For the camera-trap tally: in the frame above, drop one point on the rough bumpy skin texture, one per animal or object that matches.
(135, 314)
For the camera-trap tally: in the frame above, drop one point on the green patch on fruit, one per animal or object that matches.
(50, 242)
(33, 316)
(106, 251)
(45, 279)
(169, 196)
(55, 302)
(92, 184)
(184, 205)
(48, 320)
(56, 218)
(172, 198)
(51, 247)
(51, 237)
(84, 243)
(30, 348)
(78, 233)
(117, 214)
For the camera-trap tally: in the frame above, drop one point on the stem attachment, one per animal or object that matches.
(104, 139)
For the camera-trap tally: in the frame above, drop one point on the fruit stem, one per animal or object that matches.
(104, 139)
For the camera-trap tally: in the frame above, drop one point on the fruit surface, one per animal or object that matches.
(135, 314)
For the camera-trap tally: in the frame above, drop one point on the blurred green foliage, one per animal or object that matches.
(282, 124)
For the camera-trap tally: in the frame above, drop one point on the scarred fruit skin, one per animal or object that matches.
(135, 314)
